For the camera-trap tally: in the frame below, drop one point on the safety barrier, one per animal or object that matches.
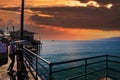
(92, 68)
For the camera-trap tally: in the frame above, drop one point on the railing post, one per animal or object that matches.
(50, 71)
(106, 71)
(85, 69)
(38, 53)
(20, 65)
(36, 68)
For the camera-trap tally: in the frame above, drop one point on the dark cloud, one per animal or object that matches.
(1, 19)
(80, 17)
(84, 1)
(108, 1)
(103, 1)
(11, 8)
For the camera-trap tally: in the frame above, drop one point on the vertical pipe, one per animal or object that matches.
(13, 28)
(37, 60)
(7, 30)
(50, 72)
(106, 72)
(22, 20)
(20, 64)
(13, 35)
(85, 69)
(36, 68)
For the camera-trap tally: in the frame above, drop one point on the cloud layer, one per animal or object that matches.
(89, 17)
(103, 1)
(79, 17)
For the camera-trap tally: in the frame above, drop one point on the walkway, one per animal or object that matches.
(6, 75)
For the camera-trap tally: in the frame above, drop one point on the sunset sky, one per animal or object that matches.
(64, 19)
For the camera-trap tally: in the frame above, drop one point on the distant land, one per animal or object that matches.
(111, 39)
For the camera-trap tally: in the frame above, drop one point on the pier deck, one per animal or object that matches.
(7, 75)
(3, 72)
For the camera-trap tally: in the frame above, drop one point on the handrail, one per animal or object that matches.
(78, 66)
(63, 62)
(37, 55)
(84, 74)
(114, 56)
(48, 72)
(35, 64)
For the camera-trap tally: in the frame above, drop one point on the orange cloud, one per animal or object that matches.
(50, 3)
(68, 33)
(108, 5)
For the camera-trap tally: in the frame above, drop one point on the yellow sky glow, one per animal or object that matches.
(109, 5)
(44, 15)
(50, 3)
(70, 3)
(84, 34)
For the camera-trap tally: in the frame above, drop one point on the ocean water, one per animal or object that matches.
(56, 51)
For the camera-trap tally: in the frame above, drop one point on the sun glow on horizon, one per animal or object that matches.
(81, 34)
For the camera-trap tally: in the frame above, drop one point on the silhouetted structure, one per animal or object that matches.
(3, 53)
(27, 35)
(1, 31)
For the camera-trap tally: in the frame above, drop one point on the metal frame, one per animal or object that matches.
(44, 69)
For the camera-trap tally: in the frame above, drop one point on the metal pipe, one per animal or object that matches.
(36, 68)
(85, 69)
(20, 65)
(106, 67)
(50, 72)
(13, 28)
(22, 20)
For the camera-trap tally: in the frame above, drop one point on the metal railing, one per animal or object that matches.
(92, 68)
(35, 63)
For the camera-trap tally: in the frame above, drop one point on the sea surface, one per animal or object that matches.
(56, 51)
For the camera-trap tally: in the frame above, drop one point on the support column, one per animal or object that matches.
(21, 71)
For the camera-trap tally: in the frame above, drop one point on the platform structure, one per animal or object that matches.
(103, 67)
(11, 75)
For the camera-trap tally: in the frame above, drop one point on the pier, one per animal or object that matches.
(104, 67)
(5, 75)
(61, 20)
(31, 66)
(11, 75)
